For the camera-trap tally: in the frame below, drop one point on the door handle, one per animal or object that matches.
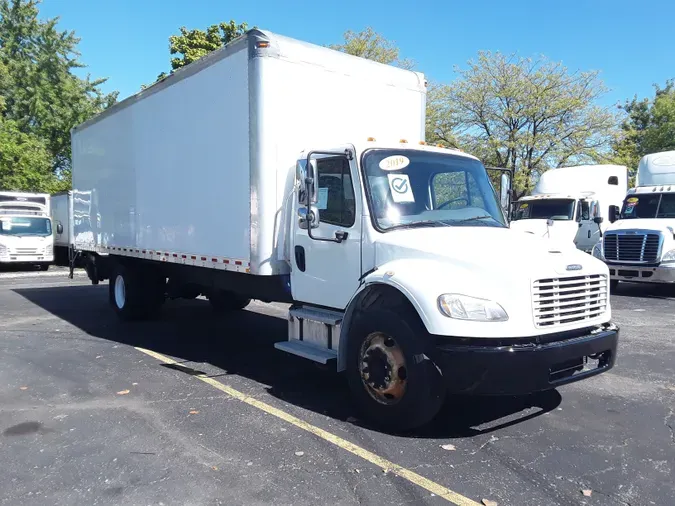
(589, 234)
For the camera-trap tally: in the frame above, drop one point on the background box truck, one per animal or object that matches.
(283, 171)
(25, 229)
(572, 203)
(640, 246)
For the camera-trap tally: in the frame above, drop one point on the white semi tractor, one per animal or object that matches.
(278, 170)
(25, 229)
(639, 245)
(572, 203)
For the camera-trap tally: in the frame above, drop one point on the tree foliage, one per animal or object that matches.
(649, 126)
(42, 99)
(191, 45)
(525, 115)
(371, 45)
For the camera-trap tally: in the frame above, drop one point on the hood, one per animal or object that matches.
(655, 224)
(560, 230)
(486, 251)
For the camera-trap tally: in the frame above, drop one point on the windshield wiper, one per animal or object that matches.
(415, 224)
(472, 219)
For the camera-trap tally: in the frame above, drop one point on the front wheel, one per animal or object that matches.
(43, 267)
(613, 285)
(392, 379)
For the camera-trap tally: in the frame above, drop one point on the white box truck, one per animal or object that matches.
(278, 170)
(25, 229)
(572, 203)
(639, 245)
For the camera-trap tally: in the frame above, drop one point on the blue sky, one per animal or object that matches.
(632, 44)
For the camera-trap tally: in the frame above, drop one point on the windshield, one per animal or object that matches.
(21, 226)
(650, 205)
(553, 209)
(408, 189)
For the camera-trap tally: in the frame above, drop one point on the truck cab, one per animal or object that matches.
(25, 229)
(572, 204)
(396, 250)
(560, 216)
(639, 245)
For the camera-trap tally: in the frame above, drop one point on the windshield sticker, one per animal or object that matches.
(396, 162)
(322, 202)
(401, 191)
(632, 200)
(524, 206)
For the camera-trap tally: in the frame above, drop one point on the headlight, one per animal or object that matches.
(669, 256)
(597, 251)
(463, 307)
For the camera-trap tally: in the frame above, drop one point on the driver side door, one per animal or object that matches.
(325, 269)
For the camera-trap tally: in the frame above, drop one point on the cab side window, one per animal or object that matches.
(336, 202)
(583, 211)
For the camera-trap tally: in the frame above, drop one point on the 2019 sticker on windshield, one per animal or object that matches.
(395, 162)
(524, 206)
(630, 205)
(401, 192)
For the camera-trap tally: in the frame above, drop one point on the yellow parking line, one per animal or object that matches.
(385, 464)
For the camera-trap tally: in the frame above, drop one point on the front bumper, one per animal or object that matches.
(472, 366)
(663, 273)
(26, 259)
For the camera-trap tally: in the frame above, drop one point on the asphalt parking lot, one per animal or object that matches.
(200, 409)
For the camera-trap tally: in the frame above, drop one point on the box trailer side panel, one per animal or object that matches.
(169, 172)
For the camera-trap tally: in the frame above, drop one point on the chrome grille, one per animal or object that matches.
(25, 251)
(559, 301)
(637, 248)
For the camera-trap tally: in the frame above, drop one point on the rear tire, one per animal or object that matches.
(135, 295)
(224, 301)
(393, 381)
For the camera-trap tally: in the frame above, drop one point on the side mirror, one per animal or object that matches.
(598, 220)
(613, 213)
(59, 228)
(305, 221)
(306, 174)
(549, 222)
(505, 196)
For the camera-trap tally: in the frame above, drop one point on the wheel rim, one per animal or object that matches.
(383, 368)
(120, 292)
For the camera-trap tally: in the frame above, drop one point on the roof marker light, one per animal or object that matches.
(371, 139)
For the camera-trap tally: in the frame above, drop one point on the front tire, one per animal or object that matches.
(43, 267)
(613, 285)
(393, 381)
(135, 295)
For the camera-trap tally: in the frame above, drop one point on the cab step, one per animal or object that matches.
(313, 333)
(307, 350)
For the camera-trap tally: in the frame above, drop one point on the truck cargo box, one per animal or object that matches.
(194, 169)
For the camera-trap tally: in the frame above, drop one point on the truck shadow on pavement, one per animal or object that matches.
(241, 344)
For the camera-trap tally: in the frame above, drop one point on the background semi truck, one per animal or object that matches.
(282, 171)
(572, 203)
(25, 229)
(640, 246)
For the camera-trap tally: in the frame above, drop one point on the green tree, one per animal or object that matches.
(371, 45)
(42, 97)
(525, 115)
(649, 126)
(191, 45)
